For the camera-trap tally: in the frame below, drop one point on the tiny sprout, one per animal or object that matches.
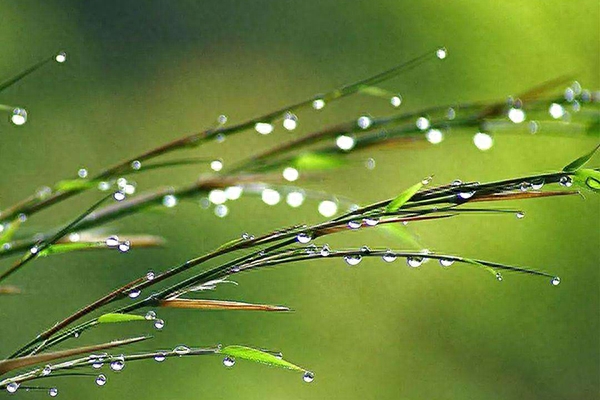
(61, 57)
(441, 53)
(263, 128)
(308, 377)
(229, 362)
(18, 116)
(101, 380)
(396, 101)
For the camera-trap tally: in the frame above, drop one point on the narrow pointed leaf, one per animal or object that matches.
(117, 317)
(74, 185)
(581, 161)
(201, 304)
(318, 162)
(403, 198)
(248, 353)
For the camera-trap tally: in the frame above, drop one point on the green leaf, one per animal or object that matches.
(248, 353)
(9, 231)
(118, 317)
(588, 178)
(403, 197)
(68, 247)
(75, 185)
(581, 161)
(315, 161)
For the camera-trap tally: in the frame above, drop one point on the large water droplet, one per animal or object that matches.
(12, 387)
(434, 136)
(117, 364)
(444, 262)
(365, 250)
(414, 261)
(422, 123)
(229, 362)
(101, 380)
(270, 197)
(159, 324)
(483, 141)
(566, 181)
(169, 201)
(327, 208)
(325, 251)
(308, 377)
(364, 122)
(150, 275)
(345, 142)
(290, 121)
(354, 224)
(263, 128)
(555, 281)
(217, 196)
(303, 237)
(525, 186)
(119, 195)
(290, 174)
(441, 53)
(18, 116)
(537, 185)
(181, 350)
(520, 215)
(134, 294)
(294, 199)
(389, 256)
(353, 259)
(160, 357)
(82, 173)
(124, 246)
(516, 115)
(466, 195)
(53, 392)
(396, 101)
(216, 165)
(556, 111)
(371, 221)
(61, 57)
(112, 241)
(318, 104)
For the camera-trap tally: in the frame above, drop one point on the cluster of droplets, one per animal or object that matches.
(114, 242)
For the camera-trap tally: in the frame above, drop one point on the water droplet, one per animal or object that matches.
(270, 197)
(308, 377)
(364, 122)
(444, 262)
(441, 53)
(525, 186)
(290, 121)
(456, 182)
(220, 138)
(235, 269)
(423, 123)
(181, 350)
(117, 364)
(159, 324)
(576, 106)
(499, 276)
(216, 165)
(370, 163)
(365, 250)
(520, 215)
(263, 128)
(434, 136)
(134, 294)
(294, 199)
(318, 104)
(311, 249)
(112, 241)
(427, 180)
(12, 387)
(555, 281)
(160, 357)
(354, 224)
(516, 115)
(233, 192)
(290, 174)
(217, 196)
(221, 211)
(556, 111)
(82, 173)
(396, 100)
(103, 186)
(97, 361)
(371, 221)
(327, 208)
(53, 392)
(451, 113)
(47, 370)
(566, 181)
(150, 315)
(43, 193)
(483, 141)
(466, 195)
(119, 196)
(325, 250)
(169, 201)
(229, 362)
(534, 127)
(136, 165)
(150, 275)
(101, 380)
(569, 94)
(537, 185)
(247, 236)
(414, 261)
(345, 142)
(303, 237)
(389, 256)
(34, 250)
(124, 246)
(353, 259)
(18, 116)
(586, 96)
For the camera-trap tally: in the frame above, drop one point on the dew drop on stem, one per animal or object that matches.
(53, 392)
(229, 362)
(389, 256)
(117, 364)
(101, 380)
(303, 237)
(181, 350)
(160, 357)
(414, 261)
(325, 251)
(159, 324)
(444, 262)
(12, 387)
(354, 224)
(555, 281)
(353, 259)
(308, 377)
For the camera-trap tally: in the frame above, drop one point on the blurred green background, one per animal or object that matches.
(142, 73)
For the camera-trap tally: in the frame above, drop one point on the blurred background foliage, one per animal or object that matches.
(141, 73)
